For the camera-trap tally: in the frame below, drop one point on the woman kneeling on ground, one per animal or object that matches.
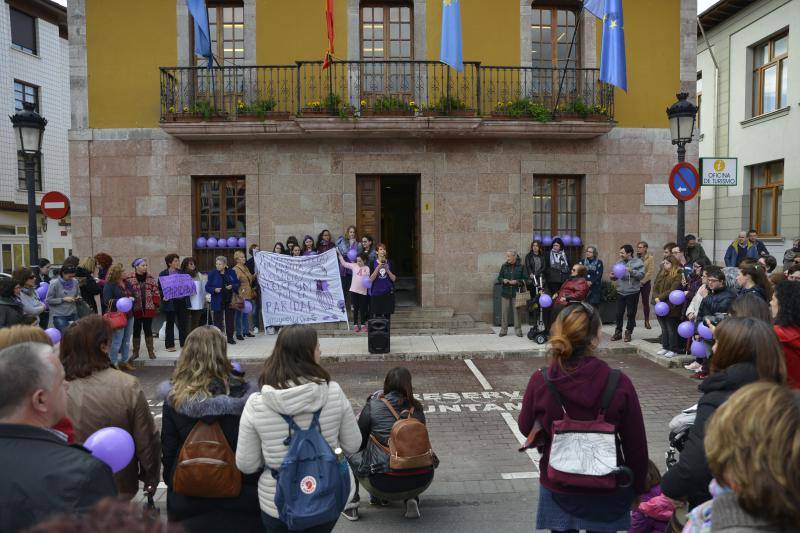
(580, 379)
(371, 464)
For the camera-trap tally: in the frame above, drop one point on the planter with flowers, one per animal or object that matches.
(259, 110)
(331, 106)
(388, 106)
(201, 111)
(448, 106)
(522, 109)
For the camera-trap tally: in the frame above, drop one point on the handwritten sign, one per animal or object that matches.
(177, 286)
(300, 290)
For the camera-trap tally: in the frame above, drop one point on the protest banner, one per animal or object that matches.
(177, 286)
(300, 290)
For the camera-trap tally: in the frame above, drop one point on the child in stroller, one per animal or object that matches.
(538, 331)
(679, 428)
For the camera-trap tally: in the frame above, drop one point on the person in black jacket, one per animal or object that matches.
(42, 474)
(11, 312)
(370, 464)
(719, 297)
(205, 387)
(175, 310)
(746, 350)
(43, 276)
(536, 263)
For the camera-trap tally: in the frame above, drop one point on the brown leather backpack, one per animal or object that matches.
(409, 445)
(207, 465)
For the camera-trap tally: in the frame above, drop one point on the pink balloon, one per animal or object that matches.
(662, 309)
(114, 446)
(124, 305)
(619, 270)
(698, 349)
(545, 300)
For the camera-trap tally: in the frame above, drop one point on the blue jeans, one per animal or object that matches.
(242, 323)
(121, 343)
(273, 525)
(61, 322)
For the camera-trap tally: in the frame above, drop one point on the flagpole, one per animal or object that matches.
(569, 56)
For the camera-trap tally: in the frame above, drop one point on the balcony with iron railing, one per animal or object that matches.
(389, 98)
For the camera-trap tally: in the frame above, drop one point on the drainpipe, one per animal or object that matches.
(716, 136)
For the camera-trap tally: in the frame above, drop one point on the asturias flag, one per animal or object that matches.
(450, 50)
(202, 37)
(612, 57)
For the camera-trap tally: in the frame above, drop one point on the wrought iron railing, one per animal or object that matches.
(374, 88)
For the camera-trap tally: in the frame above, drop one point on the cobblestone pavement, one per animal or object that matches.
(483, 483)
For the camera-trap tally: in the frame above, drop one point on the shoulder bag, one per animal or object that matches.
(116, 319)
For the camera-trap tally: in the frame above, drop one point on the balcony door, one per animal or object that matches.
(553, 29)
(387, 33)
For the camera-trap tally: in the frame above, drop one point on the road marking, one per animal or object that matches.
(520, 475)
(512, 425)
(477, 373)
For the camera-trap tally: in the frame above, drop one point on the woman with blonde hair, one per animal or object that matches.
(115, 289)
(100, 396)
(204, 386)
(246, 293)
(580, 378)
(753, 449)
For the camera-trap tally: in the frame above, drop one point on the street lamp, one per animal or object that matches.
(681, 116)
(29, 130)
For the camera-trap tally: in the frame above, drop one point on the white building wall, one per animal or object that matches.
(49, 70)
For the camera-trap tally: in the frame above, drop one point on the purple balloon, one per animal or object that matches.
(248, 307)
(698, 349)
(211, 242)
(545, 300)
(242, 242)
(619, 271)
(686, 329)
(662, 309)
(124, 305)
(677, 297)
(114, 446)
(41, 291)
(705, 332)
(352, 254)
(367, 282)
(547, 241)
(232, 242)
(537, 236)
(222, 242)
(576, 241)
(237, 367)
(54, 334)
(201, 242)
(567, 240)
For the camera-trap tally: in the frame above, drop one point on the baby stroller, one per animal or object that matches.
(678, 434)
(538, 331)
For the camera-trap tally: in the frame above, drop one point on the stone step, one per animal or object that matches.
(486, 330)
(420, 312)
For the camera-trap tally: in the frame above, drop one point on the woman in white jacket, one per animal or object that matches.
(292, 383)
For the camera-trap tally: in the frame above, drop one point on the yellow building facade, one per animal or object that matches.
(526, 141)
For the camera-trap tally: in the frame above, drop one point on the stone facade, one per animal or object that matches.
(132, 195)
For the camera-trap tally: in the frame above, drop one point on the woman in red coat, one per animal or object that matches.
(146, 298)
(575, 289)
(785, 306)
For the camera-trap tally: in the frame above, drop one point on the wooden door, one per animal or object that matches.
(368, 206)
(416, 245)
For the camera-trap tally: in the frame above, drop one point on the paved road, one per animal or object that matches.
(483, 483)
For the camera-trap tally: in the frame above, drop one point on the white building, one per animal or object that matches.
(749, 111)
(34, 67)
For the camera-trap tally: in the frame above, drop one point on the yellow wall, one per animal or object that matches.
(126, 43)
(652, 46)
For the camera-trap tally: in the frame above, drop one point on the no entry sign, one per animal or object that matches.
(55, 205)
(684, 181)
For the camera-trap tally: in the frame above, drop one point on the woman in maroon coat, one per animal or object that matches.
(580, 379)
(574, 290)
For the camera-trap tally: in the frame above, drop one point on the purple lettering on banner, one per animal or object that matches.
(177, 286)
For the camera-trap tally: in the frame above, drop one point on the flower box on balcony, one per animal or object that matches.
(570, 117)
(194, 117)
(451, 113)
(258, 117)
(387, 113)
(597, 117)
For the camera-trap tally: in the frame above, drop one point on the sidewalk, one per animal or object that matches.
(430, 347)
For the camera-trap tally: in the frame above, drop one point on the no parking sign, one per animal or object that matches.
(684, 181)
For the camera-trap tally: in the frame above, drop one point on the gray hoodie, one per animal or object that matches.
(31, 304)
(56, 294)
(631, 282)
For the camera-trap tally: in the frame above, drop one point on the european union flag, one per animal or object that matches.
(612, 56)
(450, 50)
(595, 7)
(202, 36)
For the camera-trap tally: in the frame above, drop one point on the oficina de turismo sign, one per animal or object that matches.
(719, 171)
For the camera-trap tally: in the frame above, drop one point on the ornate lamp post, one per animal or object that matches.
(681, 116)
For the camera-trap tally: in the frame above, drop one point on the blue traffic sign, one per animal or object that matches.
(684, 181)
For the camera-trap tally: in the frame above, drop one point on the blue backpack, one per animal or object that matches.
(313, 484)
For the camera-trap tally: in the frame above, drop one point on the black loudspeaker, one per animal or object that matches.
(378, 335)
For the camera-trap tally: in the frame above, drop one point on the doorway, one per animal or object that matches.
(387, 208)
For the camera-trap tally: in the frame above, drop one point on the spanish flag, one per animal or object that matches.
(329, 22)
